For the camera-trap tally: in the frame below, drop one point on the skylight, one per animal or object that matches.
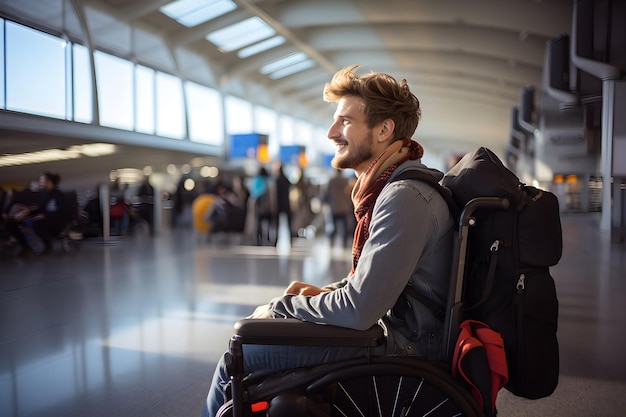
(193, 12)
(301, 66)
(241, 34)
(283, 62)
(261, 46)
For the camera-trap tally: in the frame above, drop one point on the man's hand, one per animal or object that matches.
(295, 288)
(302, 288)
(261, 312)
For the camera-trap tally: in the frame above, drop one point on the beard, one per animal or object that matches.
(354, 156)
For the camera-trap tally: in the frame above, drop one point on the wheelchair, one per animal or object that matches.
(375, 385)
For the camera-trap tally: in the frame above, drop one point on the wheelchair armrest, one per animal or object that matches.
(292, 332)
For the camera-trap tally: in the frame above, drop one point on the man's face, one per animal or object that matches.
(353, 138)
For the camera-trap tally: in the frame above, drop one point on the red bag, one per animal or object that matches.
(479, 359)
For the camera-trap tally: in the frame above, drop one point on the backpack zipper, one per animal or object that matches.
(521, 285)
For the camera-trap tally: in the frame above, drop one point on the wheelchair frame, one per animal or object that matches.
(248, 396)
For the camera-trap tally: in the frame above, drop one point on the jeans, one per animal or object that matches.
(277, 358)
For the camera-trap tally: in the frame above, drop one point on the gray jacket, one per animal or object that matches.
(410, 242)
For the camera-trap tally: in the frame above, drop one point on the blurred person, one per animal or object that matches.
(219, 214)
(119, 211)
(240, 190)
(341, 210)
(182, 199)
(240, 206)
(283, 202)
(261, 192)
(145, 197)
(6, 202)
(303, 215)
(47, 219)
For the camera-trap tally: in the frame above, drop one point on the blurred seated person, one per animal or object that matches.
(6, 202)
(47, 219)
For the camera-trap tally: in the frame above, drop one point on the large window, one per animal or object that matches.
(115, 91)
(144, 100)
(238, 115)
(303, 133)
(286, 130)
(35, 72)
(304, 136)
(204, 114)
(49, 76)
(83, 97)
(266, 122)
(69, 70)
(170, 106)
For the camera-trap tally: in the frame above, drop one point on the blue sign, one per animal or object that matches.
(290, 154)
(246, 145)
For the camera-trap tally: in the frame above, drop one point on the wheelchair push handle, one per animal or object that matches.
(489, 203)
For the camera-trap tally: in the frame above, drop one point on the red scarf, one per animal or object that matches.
(369, 185)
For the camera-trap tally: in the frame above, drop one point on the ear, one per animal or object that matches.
(386, 129)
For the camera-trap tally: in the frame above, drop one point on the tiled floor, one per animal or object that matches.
(134, 327)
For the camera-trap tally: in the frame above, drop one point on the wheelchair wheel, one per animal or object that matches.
(395, 389)
(382, 387)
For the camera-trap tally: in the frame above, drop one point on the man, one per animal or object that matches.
(403, 236)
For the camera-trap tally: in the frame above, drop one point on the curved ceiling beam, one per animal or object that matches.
(544, 18)
(283, 30)
(457, 65)
(444, 37)
(450, 64)
(483, 91)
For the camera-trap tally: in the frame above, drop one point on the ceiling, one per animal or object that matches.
(467, 61)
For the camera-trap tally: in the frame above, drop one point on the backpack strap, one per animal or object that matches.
(437, 309)
(414, 174)
(491, 274)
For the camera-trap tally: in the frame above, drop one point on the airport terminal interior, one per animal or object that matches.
(157, 115)
(134, 327)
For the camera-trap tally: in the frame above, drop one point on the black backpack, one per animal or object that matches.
(507, 284)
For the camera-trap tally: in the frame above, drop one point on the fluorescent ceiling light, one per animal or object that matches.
(261, 46)
(309, 63)
(283, 62)
(241, 34)
(193, 12)
(95, 149)
(49, 155)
